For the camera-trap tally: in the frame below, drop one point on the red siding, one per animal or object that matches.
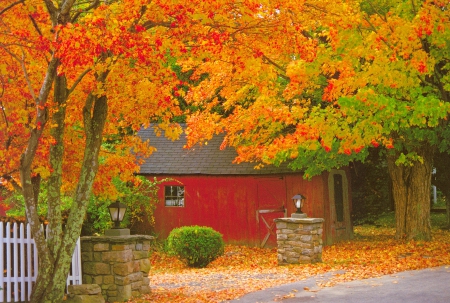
(229, 204)
(223, 203)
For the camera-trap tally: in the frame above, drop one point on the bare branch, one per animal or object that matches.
(383, 17)
(35, 25)
(13, 182)
(24, 69)
(374, 29)
(94, 4)
(2, 108)
(150, 24)
(78, 80)
(413, 7)
(52, 11)
(3, 88)
(66, 7)
(50, 6)
(318, 8)
(273, 63)
(27, 78)
(11, 6)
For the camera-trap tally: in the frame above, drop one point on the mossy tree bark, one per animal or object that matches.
(411, 186)
(54, 268)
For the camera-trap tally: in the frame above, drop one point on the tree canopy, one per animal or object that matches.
(366, 74)
(315, 83)
(359, 75)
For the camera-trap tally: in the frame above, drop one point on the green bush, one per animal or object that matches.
(197, 246)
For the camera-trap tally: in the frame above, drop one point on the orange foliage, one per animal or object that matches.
(298, 69)
(241, 270)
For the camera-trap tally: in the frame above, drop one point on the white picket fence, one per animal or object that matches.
(19, 263)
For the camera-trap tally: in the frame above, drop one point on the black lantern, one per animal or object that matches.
(298, 202)
(117, 211)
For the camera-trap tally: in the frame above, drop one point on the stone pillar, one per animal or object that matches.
(86, 293)
(119, 265)
(299, 240)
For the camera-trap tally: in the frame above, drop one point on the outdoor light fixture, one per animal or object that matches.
(298, 202)
(117, 211)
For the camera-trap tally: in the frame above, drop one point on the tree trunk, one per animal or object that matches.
(51, 281)
(54, 228)
(411, 186)
(28, 186)
(55, 253)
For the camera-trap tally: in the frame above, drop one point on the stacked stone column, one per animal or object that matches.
(119, 265)
(299, 240)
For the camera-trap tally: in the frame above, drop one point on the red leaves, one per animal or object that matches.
(257, 53)
(139, 28)
(389, 143)
(328, 92)
(325, 146)
(358, 149)
(422, 68)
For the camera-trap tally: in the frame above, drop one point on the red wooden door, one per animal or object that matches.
(271, 205)
(341, 228)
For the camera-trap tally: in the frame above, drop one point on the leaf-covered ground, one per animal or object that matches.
(241, 270)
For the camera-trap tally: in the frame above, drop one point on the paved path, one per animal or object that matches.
(419, 286)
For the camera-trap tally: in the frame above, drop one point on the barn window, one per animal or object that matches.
(174, 195)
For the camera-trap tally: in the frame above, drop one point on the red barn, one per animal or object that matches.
(237, 200)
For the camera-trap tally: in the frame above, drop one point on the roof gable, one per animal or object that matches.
(171, 157)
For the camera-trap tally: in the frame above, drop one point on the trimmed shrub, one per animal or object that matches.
(197, 246)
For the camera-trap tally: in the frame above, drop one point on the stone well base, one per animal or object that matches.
(299, 240)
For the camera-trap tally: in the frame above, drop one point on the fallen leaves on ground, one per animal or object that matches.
(241, 270)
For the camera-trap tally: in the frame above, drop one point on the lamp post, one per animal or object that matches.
(117, 212)
(298, 203)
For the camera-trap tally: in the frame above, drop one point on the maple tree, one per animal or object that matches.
(318, 85)
(75, 76)
(285, 79)
(79, 78)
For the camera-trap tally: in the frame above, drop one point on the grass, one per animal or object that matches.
(438, 220)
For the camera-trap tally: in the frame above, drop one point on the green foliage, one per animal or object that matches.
(16, 204)
(141, 198)
(386, 220)
(97, 218)
(197, 246)
(437, 220)
(370, 189)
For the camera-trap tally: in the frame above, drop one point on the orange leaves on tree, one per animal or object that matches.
(116, 39)
(387, 58)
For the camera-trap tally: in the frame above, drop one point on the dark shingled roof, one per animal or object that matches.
(171, 158)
